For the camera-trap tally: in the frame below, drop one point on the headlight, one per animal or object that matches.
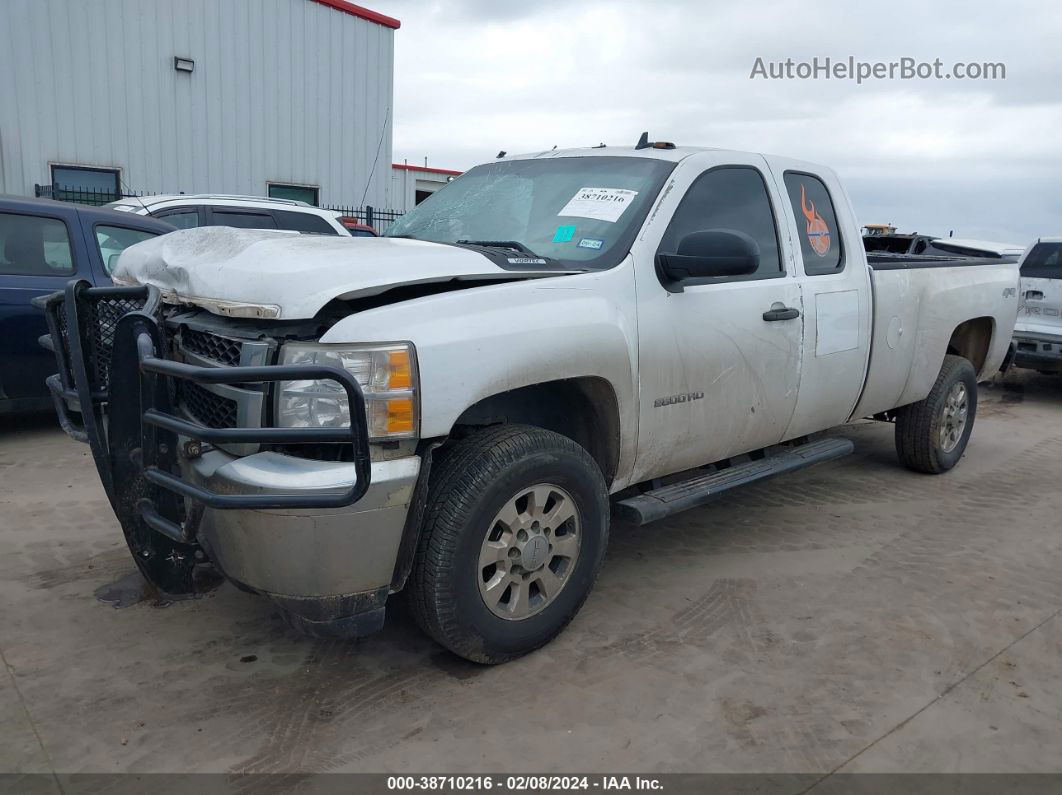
(388, 377)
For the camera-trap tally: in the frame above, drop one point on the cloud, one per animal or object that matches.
(477, 76)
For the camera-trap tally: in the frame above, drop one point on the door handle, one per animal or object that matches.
(1033, 295)
(780, 311)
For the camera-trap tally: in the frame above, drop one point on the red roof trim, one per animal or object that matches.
(406, 167)
(364, 13)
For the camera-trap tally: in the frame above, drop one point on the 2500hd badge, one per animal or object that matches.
(671, 400)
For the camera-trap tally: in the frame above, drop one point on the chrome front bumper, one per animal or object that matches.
(304, 553)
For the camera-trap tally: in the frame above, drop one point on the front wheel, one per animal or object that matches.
(931, 435)
(514, 534)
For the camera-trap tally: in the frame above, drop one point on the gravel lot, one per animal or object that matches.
(851, 617)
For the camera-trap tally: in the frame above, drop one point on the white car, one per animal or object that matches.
(1038, 332)
(244, 212)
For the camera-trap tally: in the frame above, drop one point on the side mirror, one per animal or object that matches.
(710, 254)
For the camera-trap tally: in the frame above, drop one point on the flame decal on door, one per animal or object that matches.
(818, 231)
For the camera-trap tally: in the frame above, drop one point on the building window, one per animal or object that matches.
(86, 185)
(299, 193)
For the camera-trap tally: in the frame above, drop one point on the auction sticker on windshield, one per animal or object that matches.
(601, 204)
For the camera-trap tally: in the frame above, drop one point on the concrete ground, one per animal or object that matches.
(852, 617)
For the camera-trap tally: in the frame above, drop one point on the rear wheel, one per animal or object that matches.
(931, 435)
(514, 534)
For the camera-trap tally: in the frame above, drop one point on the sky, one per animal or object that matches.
(977, 158)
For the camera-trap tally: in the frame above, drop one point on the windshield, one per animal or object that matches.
(582, 212)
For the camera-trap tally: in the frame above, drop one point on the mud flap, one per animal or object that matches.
(165, 562)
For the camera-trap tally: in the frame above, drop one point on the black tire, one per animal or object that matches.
(918, 426)
(469, 486)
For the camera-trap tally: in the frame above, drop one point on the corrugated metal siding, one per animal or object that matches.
(403, 190)
(283, 91)
(405, 182)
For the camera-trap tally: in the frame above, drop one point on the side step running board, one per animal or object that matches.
(701, 489)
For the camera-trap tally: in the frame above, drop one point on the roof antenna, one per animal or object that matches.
(129, 193)
(501, 154)
(643, 142)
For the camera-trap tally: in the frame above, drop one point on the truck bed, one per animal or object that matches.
(922, 307)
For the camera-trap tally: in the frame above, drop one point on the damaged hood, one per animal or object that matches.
(272, 274)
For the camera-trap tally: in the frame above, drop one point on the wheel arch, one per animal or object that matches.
(972, 339)
(584, 409)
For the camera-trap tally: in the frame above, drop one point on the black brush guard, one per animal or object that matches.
(111, 352)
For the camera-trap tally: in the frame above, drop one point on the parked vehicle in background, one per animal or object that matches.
(43, 245)
(355, 226)
(884, 239)
(1038, 332)
(449, 409)
(242, 212)
(968, 247)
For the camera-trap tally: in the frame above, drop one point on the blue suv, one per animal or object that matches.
(43, 245)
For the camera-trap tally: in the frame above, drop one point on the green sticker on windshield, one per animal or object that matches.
(564, 234)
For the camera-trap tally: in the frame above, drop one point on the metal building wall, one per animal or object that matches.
(283, 91)
(406, 180)
(403, 189)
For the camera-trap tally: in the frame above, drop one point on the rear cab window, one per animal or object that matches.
(32, 245)
(816, 220)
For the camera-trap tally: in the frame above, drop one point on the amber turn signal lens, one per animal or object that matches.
(399, 415)
(401, 375)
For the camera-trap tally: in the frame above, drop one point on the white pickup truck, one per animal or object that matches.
(453, 409)
(1038, 332)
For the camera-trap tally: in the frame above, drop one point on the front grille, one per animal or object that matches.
(210, 346)
(236, 405)
(213, 411)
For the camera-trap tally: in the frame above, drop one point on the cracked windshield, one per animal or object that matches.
(581, 212)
